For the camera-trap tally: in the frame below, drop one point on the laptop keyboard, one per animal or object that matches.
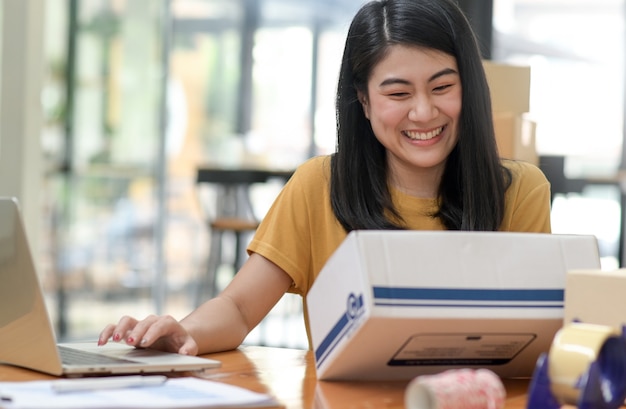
(71, 356)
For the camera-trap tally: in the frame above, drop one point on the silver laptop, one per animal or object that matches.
(26, 335)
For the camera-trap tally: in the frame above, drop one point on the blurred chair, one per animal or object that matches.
(230, 215)
(553, 166)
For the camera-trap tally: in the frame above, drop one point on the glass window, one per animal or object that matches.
(577, 75)
(102, 135)
(328, 63)
(205, 71)
(576, 53)
(282, 94)
(246, 83)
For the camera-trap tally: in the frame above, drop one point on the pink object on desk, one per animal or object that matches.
(455, 389)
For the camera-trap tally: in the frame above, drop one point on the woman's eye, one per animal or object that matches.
(442, 87)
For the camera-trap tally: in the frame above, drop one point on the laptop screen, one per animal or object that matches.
(26, 335)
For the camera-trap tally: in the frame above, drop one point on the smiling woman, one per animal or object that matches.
(415, 150)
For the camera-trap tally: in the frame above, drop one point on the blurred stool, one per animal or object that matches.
(229, 214)
(220, 227)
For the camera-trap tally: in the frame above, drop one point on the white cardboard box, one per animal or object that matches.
(397, 304)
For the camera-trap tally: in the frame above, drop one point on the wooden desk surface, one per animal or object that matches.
(289, 375)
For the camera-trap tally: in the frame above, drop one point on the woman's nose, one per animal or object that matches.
(422, 109)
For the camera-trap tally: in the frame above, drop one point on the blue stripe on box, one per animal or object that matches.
(389, 294)
(331, 338)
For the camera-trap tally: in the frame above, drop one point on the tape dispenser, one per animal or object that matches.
(585, 367)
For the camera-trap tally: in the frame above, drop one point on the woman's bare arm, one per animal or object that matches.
(219, 324)
(223, 322)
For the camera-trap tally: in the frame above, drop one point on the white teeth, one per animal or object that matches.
(423, 136)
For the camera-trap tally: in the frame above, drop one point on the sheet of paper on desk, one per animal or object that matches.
(175, 393)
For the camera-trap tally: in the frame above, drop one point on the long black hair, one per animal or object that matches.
(473, 184)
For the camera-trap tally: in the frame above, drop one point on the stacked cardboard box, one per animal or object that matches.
(510, 101)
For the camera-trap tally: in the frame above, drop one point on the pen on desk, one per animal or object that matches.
(112, 382)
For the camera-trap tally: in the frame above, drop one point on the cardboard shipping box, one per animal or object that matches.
(509, 87)
(397, 304)
(596, 297)
(515, 136)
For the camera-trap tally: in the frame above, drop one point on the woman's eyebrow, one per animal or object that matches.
(393, 80)
(445, 71)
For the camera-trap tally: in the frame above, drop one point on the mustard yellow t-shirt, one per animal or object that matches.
(300, 231)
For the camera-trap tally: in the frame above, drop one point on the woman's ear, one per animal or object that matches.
(364, 103)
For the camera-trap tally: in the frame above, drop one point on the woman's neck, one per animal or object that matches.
(414, 181)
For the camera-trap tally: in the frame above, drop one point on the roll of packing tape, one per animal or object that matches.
(574, 348)
(456, 388)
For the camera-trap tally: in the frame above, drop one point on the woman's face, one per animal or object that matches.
(413, 102)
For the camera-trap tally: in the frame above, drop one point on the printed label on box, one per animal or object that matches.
(460, 349)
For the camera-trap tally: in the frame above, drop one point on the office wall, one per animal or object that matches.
(20, 106)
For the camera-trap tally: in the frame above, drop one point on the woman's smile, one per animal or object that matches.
(423, 135)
